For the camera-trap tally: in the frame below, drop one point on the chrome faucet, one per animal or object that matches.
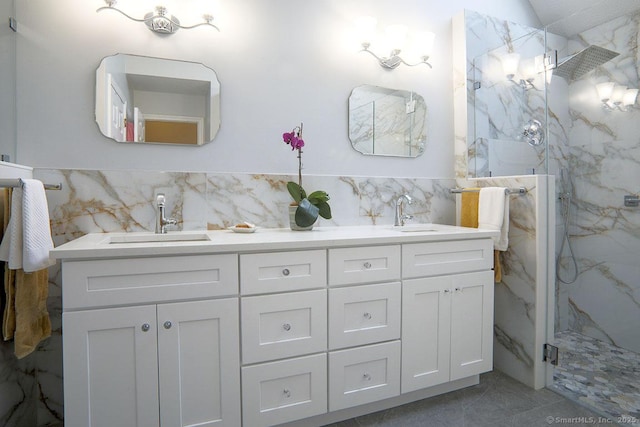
(161, 221)
(400, 216)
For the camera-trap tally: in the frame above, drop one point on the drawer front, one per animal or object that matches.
(278, 392)
(282, 271)
(364, 265)
(283, 325)
(102, 283)
(364, 314)
(437, 258)
(363, 375)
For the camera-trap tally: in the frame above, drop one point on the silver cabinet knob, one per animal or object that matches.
(367, 315)
(286, 272)
(366, 377)
(286, 392)
(446, 291)
(286, 326)
(458, 289)
(145, 327)
(367, 265)
(167, 324)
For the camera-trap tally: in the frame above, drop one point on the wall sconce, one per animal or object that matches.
(614, 96)
(160, 20)
(510, 63)
(396, 36)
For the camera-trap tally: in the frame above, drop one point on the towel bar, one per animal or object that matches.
(13, 183)
(520, 190)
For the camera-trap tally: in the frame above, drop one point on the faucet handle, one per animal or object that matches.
(160, 199)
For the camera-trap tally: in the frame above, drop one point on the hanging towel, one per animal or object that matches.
(493, 214)
(27, 242)
(469, 208)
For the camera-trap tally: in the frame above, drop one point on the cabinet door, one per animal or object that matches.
(199, 360)
(111, 367)
(471, 324)
(425, 332)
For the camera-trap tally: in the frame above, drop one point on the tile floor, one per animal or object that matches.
(601, 376)
(497, 401)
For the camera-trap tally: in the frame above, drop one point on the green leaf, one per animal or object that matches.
(324, 210)
(318, 196)
(306, 214)
(297, 192)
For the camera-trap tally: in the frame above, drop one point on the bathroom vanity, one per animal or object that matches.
(274, 327)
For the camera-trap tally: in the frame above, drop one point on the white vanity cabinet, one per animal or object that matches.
(275, 327)
(447, 319)
(155, 364)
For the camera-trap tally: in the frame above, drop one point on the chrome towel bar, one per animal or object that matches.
(14, 183)
(520, 190)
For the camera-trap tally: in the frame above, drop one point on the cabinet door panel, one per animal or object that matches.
(425, 332)
(471, 324)
(198, 354)
(110, 367)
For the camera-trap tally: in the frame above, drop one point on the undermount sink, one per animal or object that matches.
(158, 238)
(414, 228)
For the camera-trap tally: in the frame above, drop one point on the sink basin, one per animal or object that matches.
(158, 238)
(414, 228)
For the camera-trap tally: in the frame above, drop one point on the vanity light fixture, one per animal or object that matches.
(395, 38)
(160, 20)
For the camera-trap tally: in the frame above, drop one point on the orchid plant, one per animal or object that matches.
(314, 204)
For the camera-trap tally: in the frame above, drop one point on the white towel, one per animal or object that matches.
(27, 242)
(493, 214)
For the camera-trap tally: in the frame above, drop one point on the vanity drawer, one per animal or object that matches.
(100, 283)
(364, 265)
(364, 314)
(282, 271)
(437, 258)
(363, 375)
(278, 392)
(283, 325)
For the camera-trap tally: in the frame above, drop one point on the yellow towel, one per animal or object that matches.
(25, 319)
(469, 218)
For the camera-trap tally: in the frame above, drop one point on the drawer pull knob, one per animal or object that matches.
(458, 289)
(286, 327)
(446, 291)
(367, 264)
(367, 315)
(167, 324)
(145, 327)
(285, 272)
(366, 377)
(287, 393)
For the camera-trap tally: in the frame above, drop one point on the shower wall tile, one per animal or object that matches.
(604, 160)
(117, 201)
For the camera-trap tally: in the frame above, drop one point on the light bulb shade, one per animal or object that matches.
(629, 97)
(510, 64)
(605, 90)
(396, 36)
(366, 28)
(423, 43)
(617, 94)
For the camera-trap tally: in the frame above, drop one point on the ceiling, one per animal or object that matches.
(569, 17)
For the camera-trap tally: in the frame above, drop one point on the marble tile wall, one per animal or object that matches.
(603, 160)
(109, 201)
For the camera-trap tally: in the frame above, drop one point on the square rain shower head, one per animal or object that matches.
(578, 64)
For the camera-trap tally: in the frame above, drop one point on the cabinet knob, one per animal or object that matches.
(145, 327)
(366, 377)
(367, 315)
(285, 272)
(458, 289)
(286, 327)
(367, 264)
(286, 392)
(446, 291)
(167, 324)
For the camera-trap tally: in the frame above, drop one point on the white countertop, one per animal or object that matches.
(111, 245)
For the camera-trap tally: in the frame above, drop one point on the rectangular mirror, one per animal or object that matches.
(157, 101)
(387, 122)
